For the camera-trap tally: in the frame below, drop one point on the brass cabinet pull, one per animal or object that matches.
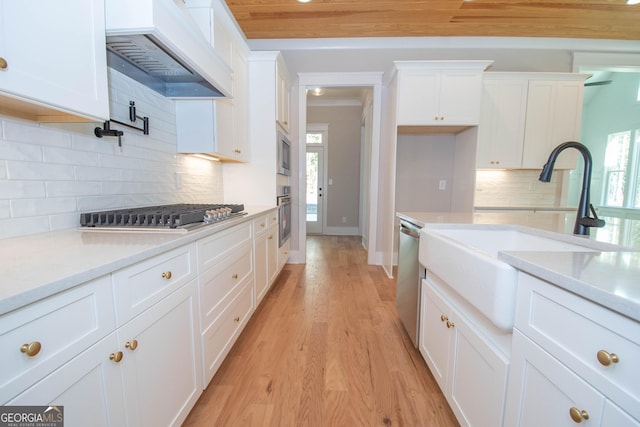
(236, 319)
(450, 324)
(577, 415)
(131, 345)
(31, 349)
(166, 275)
(444, 318)
(235, 276)
(116, 357)
(605, 358)
(262, 224)
(3, 63)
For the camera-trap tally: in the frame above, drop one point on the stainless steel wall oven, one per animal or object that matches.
(284, 214)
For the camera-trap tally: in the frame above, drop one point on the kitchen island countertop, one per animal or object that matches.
(37, 266)
(609, 278)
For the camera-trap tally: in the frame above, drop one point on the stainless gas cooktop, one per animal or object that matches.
(178, 217)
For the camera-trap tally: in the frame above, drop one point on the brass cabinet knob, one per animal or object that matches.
(236, 319)
(444, 318)
(235, 276)
(605, 358)
(271, 237)
(116, 357)
(166, 275)
(450, 324)
(31, 349)
(3, 63)
(577, 415)
(131, 345)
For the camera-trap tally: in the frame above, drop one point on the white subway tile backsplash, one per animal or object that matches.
(69, 156)
(50, 173)
(517, 188)
(23, 226)
(39, 171)
(24, 131)
(72, 188)
(38, 207)
(11, 150)
(63, 221)
(21, 189)
(84, 173)
(5, 212)
(97, 203)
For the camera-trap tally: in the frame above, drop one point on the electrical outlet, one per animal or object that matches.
(344, 219)
(442, 185)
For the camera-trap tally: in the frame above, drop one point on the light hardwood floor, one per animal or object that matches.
(325, 348)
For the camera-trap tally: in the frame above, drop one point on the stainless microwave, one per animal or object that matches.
(284, 155)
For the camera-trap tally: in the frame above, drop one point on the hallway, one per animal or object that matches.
(325, 348)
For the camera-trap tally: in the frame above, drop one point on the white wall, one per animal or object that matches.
(50, 173)
(342, 155)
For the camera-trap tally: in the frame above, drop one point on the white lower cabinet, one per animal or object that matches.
(226, 286)
(471, 372)
(161, 369)
(220, 336)
(41, 337)
(89, 387)
(572, 361)
(266, 253)
(544, 391)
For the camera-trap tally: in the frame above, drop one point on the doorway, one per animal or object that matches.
(315, 183)
(340, 221)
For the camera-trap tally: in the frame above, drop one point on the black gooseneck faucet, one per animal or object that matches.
(583, 220)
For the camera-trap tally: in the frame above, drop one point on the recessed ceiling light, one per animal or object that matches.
(317, 91)
(633, 1)
(304, 1)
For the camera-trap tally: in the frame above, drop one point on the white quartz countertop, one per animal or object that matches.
(37, 266)
(610, 278)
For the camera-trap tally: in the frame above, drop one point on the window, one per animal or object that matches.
(622, 170)
(314, 137)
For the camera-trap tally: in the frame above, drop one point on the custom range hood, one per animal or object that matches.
(157, 43)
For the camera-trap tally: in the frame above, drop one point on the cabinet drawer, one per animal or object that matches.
(215, 247)
(574, 330)
(64, 325)
(138, 287)
(260, 225)
(219, 282)
(218, 339)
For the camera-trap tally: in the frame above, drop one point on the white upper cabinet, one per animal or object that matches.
(218, 127)
(48, 74)
(554, 113)
(442, 93)
(282, 95)
(525, 116)
(501, 130)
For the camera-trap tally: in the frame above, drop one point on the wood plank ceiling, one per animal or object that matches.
(283, 19)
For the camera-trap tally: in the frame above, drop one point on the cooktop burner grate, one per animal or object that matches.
(166, 216)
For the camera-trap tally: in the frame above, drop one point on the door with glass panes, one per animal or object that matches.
(316, 141)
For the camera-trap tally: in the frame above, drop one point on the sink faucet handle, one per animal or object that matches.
(592, 222)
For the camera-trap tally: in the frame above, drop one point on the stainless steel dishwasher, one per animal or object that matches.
(410, 273)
